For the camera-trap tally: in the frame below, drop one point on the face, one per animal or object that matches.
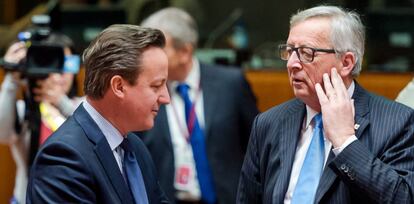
(62, 80)
(178, 60)
(65, 79)
(303, 77)
(143, 100)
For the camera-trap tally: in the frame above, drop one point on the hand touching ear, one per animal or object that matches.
(337, 109)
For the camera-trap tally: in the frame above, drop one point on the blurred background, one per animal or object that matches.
(244, 33)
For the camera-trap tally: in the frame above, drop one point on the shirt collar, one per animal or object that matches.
(310, 113)
(112, 135)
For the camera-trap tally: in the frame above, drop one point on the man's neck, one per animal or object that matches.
(108, 113)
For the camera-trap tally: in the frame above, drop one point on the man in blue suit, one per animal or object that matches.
(224, 108)
(91, 158)
(336, 142)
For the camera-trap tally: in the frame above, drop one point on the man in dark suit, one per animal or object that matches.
(335, 143)
(224, 107)
(90, 158)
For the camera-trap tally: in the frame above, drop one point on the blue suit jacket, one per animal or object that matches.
(229, 110)
(377, 168)
(76, 165)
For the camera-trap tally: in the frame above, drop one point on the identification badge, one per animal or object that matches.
(183, 175)
(184, 171)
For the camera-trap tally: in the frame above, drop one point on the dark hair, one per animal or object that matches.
(117, 51)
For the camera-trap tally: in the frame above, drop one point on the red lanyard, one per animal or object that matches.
(186, 131)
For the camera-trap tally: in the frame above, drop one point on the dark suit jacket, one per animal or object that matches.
(229, 110)
(377, 168)
(76, 165)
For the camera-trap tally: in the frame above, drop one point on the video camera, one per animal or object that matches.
(43, 57)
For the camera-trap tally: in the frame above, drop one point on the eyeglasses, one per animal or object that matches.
(305, 54)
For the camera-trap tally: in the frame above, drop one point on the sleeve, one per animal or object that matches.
(7, 108)
(60, 175)
(387, 178)
(250, 186)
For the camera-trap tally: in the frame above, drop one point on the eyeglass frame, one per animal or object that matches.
(296, 49)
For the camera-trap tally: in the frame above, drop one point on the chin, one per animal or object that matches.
(148, 126)
(302, 93)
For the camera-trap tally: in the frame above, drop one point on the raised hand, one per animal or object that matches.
(51, 89)
(337, 109)
(16, 53)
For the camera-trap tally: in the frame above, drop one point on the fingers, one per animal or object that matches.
(338, 84)
(334, 86)
(323, 99)
(329, 89)
(15, 53)
(16, 46)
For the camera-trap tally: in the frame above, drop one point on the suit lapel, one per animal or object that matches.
(210, 89)
(104, 153)
(361, 103)
(289, 133)
(361, 98)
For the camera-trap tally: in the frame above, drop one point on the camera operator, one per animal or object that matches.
(54, 96)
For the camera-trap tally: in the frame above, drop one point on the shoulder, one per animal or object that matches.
(70, 133)
(68, 142)
(389, 110)
(67, 145)
(272, 120)
(67, 156)
(281, 111)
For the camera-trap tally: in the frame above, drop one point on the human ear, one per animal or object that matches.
(117, 86)
(348, 61)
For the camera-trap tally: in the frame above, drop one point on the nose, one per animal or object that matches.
(164, 96)
(294, 61)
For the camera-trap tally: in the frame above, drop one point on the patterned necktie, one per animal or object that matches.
(133, 174)
(312, 168)
(205, 178)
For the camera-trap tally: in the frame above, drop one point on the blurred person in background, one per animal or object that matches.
(55, 96)
(199, 140)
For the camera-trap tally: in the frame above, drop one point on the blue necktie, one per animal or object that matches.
(133, 174)
(205, 178)
(312, 168)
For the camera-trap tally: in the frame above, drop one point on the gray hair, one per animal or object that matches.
(117, 51)
(347, 30)
(175, 22)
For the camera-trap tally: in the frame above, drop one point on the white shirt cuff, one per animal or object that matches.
(348, 141)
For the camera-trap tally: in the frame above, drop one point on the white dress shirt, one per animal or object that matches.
(303, 145)
(183, 153)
